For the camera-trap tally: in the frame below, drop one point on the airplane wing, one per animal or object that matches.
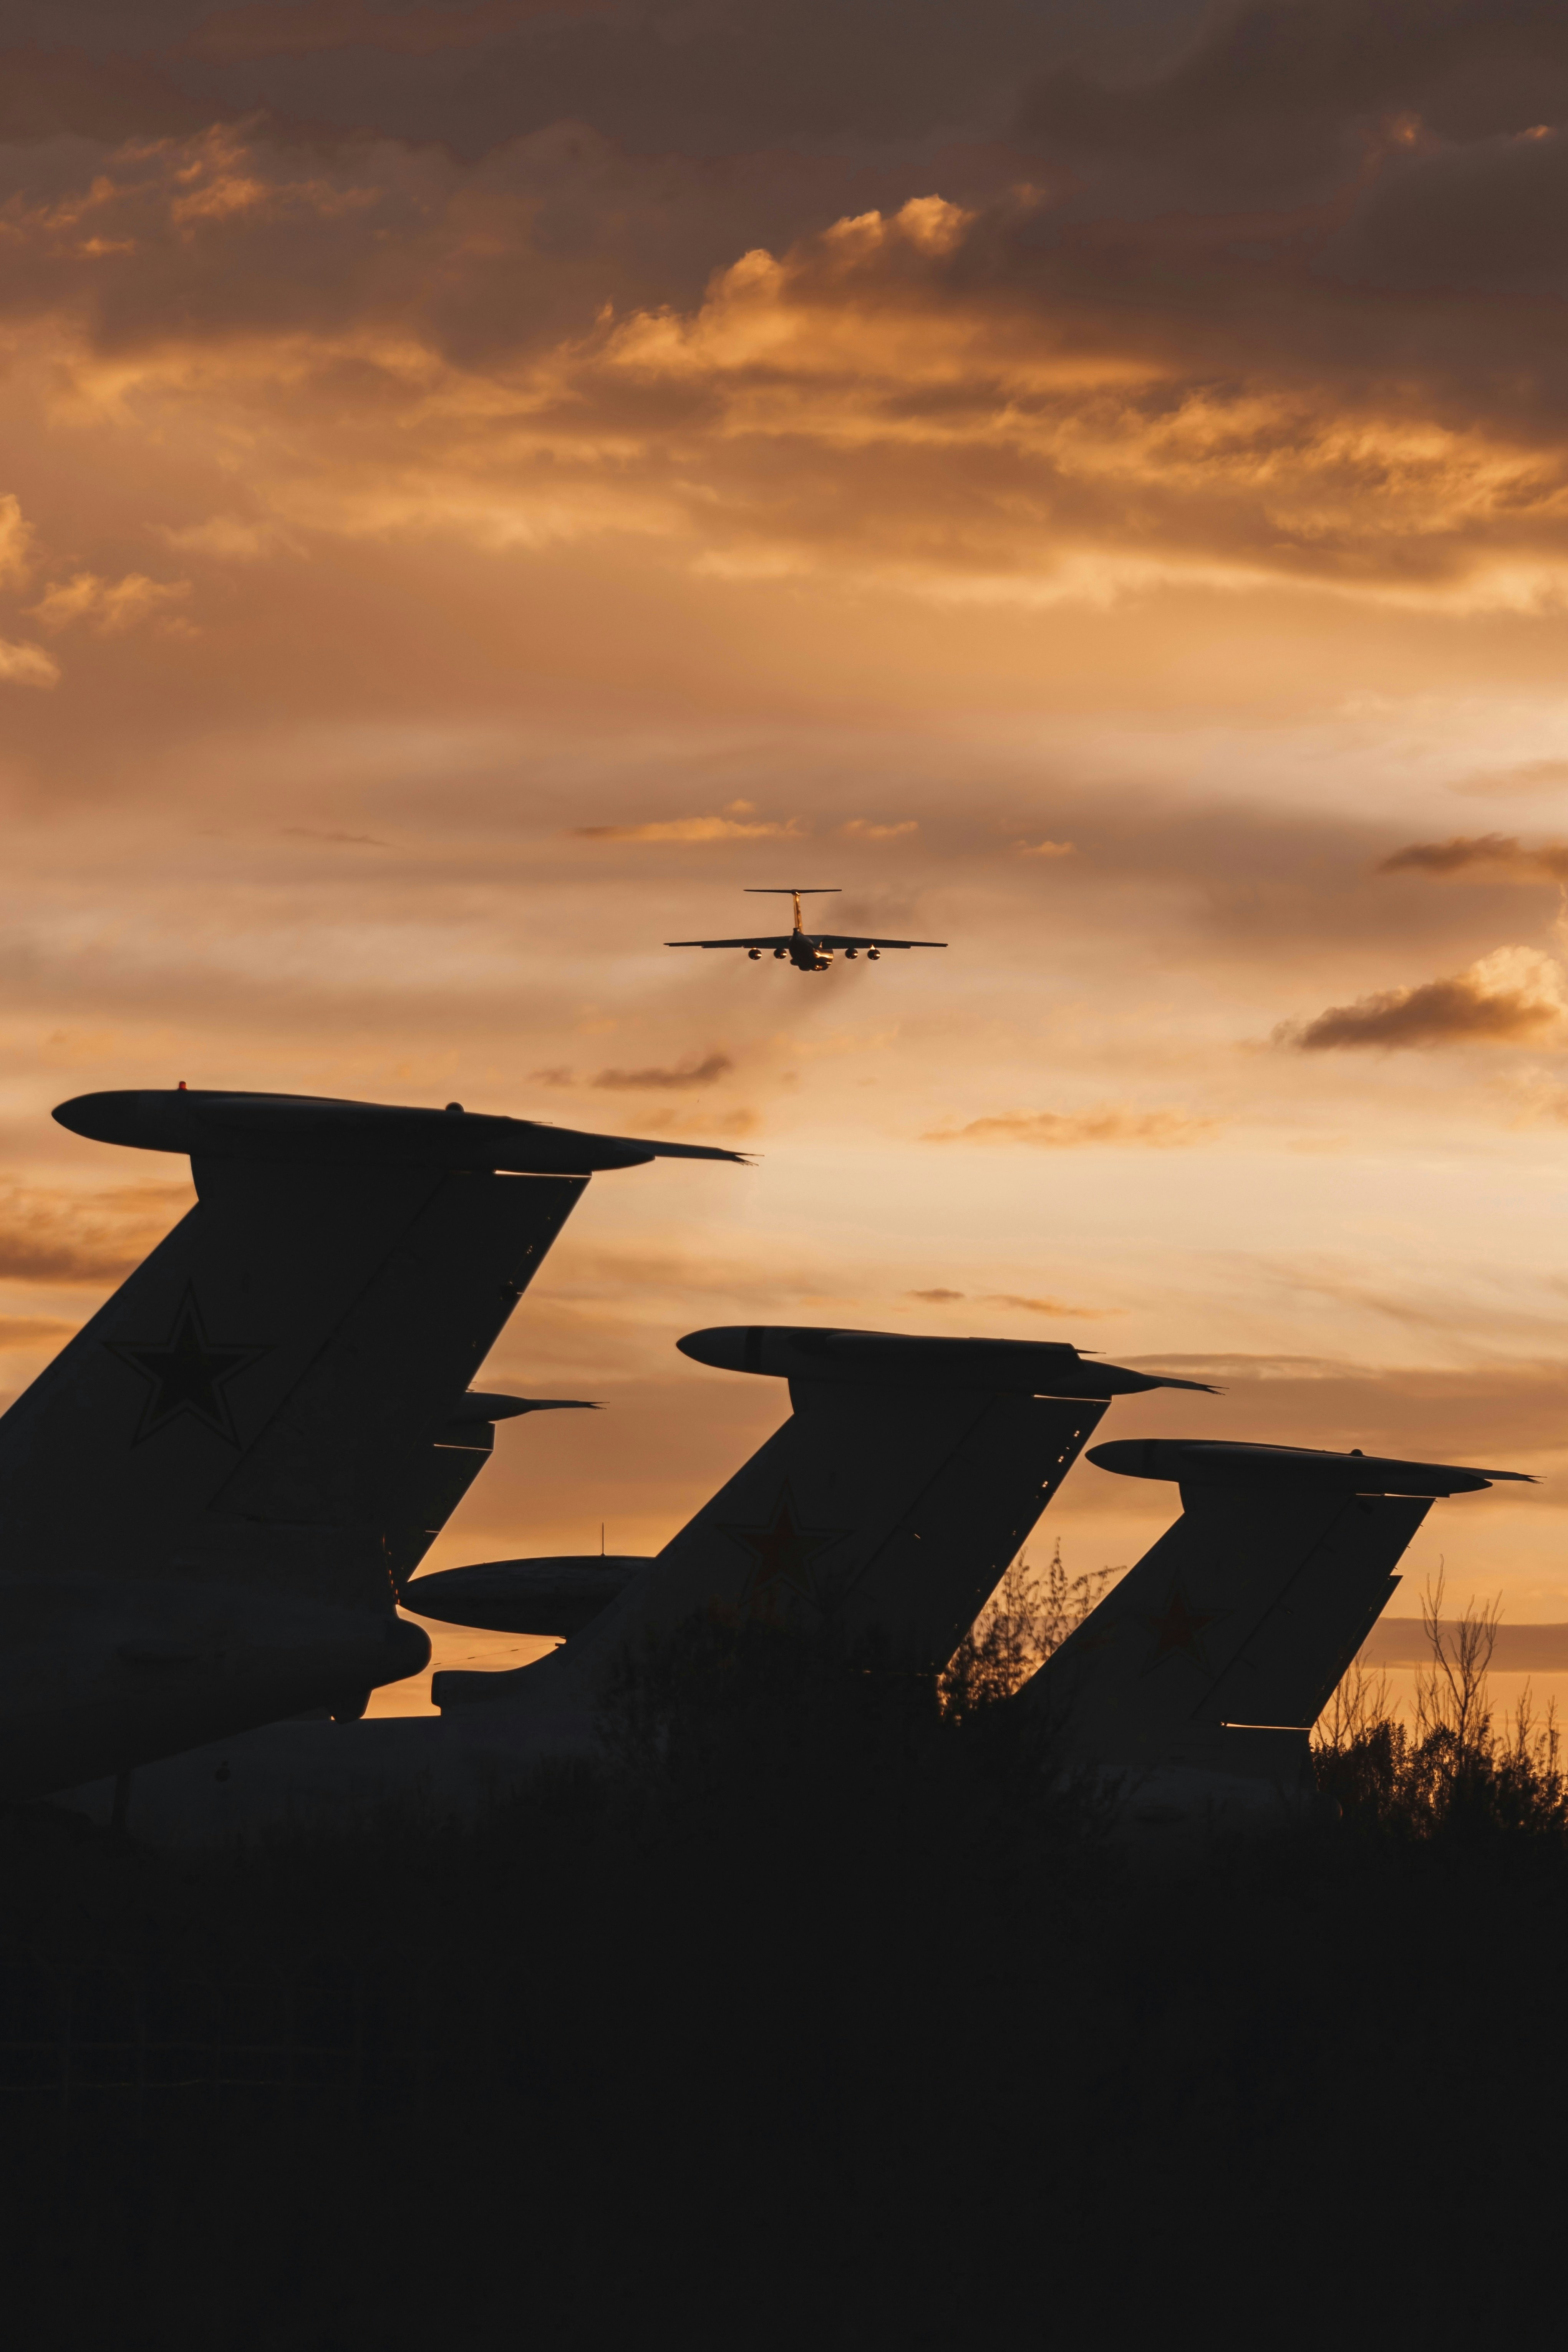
(779, 939)
(817, 939)
(850, 939)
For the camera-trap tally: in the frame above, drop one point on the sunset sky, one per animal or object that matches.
(484, 481)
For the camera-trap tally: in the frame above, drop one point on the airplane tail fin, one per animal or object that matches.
(1225, 1641)
(246, 1404)
(884, 1510)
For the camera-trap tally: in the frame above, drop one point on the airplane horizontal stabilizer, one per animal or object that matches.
(550, 1599)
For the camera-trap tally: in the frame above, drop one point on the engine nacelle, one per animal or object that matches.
(873, 955)
(755, 954)
(850, 954)
(779, 954)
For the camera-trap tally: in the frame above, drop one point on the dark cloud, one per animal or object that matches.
(1277, 97)
(1513, 997)
(654, 74)
(692, 1072)
(1453, 856)
(935, 1297)
(1488, 217)
(48, 92)
(1547, 863)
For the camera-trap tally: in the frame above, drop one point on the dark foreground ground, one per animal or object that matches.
(825, 2029)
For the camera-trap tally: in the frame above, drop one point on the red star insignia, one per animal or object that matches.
(785, 1551)
(1178, 1628)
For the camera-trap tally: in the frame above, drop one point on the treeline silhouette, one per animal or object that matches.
(821, 2011)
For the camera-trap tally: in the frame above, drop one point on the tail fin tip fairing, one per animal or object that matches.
(320, 1129)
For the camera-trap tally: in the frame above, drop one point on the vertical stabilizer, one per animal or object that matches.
(884, 1511)
(251, 1393)
(1244, 1615)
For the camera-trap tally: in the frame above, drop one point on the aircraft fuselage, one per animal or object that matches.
(101, 1673)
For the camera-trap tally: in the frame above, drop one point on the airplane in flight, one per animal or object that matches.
(799, 947)
(207, 1493)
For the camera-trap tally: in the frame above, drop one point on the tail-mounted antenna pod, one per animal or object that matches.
(891, 1360)
(1207, 1461)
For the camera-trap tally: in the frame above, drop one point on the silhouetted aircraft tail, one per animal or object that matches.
(249, 1396)
(1222, 1647)
(884, 1510)
(206, 1493)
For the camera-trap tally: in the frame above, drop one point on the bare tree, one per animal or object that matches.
(1451, 1692)
(1361, 1700)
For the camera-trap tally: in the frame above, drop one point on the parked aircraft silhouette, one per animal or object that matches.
(1190, 1693)
(208, 1491)
(798, 947)
(888, 1505)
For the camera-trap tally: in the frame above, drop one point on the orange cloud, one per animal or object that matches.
(992, 401)
(57, 1239)
(33, 1331)
(692, 829)
(110, 606)
(16, 540)
(24, 665)
(690, 1073)
(1059, 1131)
(1512, 997)
(1056, 1307)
